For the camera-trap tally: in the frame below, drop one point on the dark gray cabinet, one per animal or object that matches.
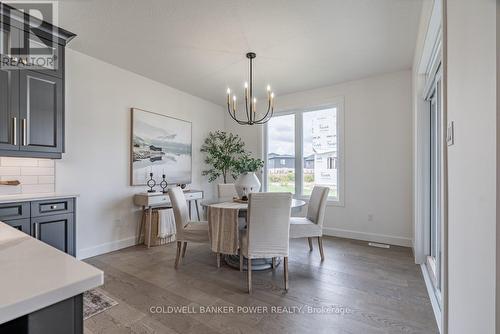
(23, 225)
(32, 86)
(65, 317)
(41, 112)
(57, 231)
(9, 110)
(13, 211)
(51, 221)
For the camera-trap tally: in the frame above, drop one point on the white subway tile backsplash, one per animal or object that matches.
(37, 188)
(18, 162)
(46, 163)
(35, 175)
(22, 179)
(4, 190)
(46, 179)
(37, 171)
(10, 171)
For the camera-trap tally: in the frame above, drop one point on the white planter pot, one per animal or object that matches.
(247, 183)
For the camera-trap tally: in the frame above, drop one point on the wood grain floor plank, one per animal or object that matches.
(376, 291)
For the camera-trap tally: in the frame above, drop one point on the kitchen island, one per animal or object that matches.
(41, 288)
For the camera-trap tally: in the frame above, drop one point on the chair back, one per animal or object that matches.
(181, 212)
(317, 205)
(268, 224)
(226, 191)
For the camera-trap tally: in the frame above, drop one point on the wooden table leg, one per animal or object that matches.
(197, 209)
(150, 222)
(141, 224)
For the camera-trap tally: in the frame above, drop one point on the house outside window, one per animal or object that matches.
(315, 137)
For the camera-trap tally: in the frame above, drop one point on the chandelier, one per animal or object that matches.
(250, 102)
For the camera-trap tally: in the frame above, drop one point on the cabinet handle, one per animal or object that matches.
(14, 131)
(36, 230)
(53, 207)
(25, 132)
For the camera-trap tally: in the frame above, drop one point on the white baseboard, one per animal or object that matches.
(336, 232)
(105, 248)
(374, 237)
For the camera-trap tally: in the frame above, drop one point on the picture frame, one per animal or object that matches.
(161, 145)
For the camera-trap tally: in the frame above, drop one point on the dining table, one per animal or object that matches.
(233, 260)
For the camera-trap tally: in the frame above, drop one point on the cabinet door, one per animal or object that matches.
(43, 55)
(57, 231)
(9, 112)
(9, 93)
(41, 111)
(23, 225)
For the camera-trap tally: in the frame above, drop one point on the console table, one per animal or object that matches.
(148, 201)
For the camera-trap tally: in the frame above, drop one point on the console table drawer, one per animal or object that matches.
(11, 211)
(193, 195)
(52, 207)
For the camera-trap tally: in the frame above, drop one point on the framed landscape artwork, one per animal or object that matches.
(160, 145)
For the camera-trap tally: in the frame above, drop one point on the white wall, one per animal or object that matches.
(471, 98)
(98, 101)
(378, 148)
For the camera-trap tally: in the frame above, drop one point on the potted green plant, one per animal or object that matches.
(247, 182)
(223, 151)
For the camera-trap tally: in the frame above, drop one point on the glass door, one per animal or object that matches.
(434, 241)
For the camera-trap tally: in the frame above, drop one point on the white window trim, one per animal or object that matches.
(338, 103)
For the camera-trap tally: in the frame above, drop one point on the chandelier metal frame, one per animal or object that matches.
(250, 101)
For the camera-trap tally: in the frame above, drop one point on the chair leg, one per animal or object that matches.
(274, 263)
(184, 246)
(285, 272)
(249, 275)
(218, 260)
(310, 244)
(320, 245)
(241, 261)
(178, 255)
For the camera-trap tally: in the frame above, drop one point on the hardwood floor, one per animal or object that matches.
(357, 289)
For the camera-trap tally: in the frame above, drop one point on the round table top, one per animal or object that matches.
(296, 203)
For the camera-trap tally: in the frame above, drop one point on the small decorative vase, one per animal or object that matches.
(247, 183)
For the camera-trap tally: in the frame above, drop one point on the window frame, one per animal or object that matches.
(299, 148)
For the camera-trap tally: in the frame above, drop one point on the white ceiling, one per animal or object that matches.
(199, 46)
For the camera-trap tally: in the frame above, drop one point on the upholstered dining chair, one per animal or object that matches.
(267, 232)
(311, 226)
(226, 191)
(187, 231)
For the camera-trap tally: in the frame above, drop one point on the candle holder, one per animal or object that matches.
(151, 184)
(164, 184)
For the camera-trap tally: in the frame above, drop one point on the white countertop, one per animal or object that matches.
(34, 197)
(34, 275)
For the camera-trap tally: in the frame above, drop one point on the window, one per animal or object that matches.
(281, 148)
(308, 144)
